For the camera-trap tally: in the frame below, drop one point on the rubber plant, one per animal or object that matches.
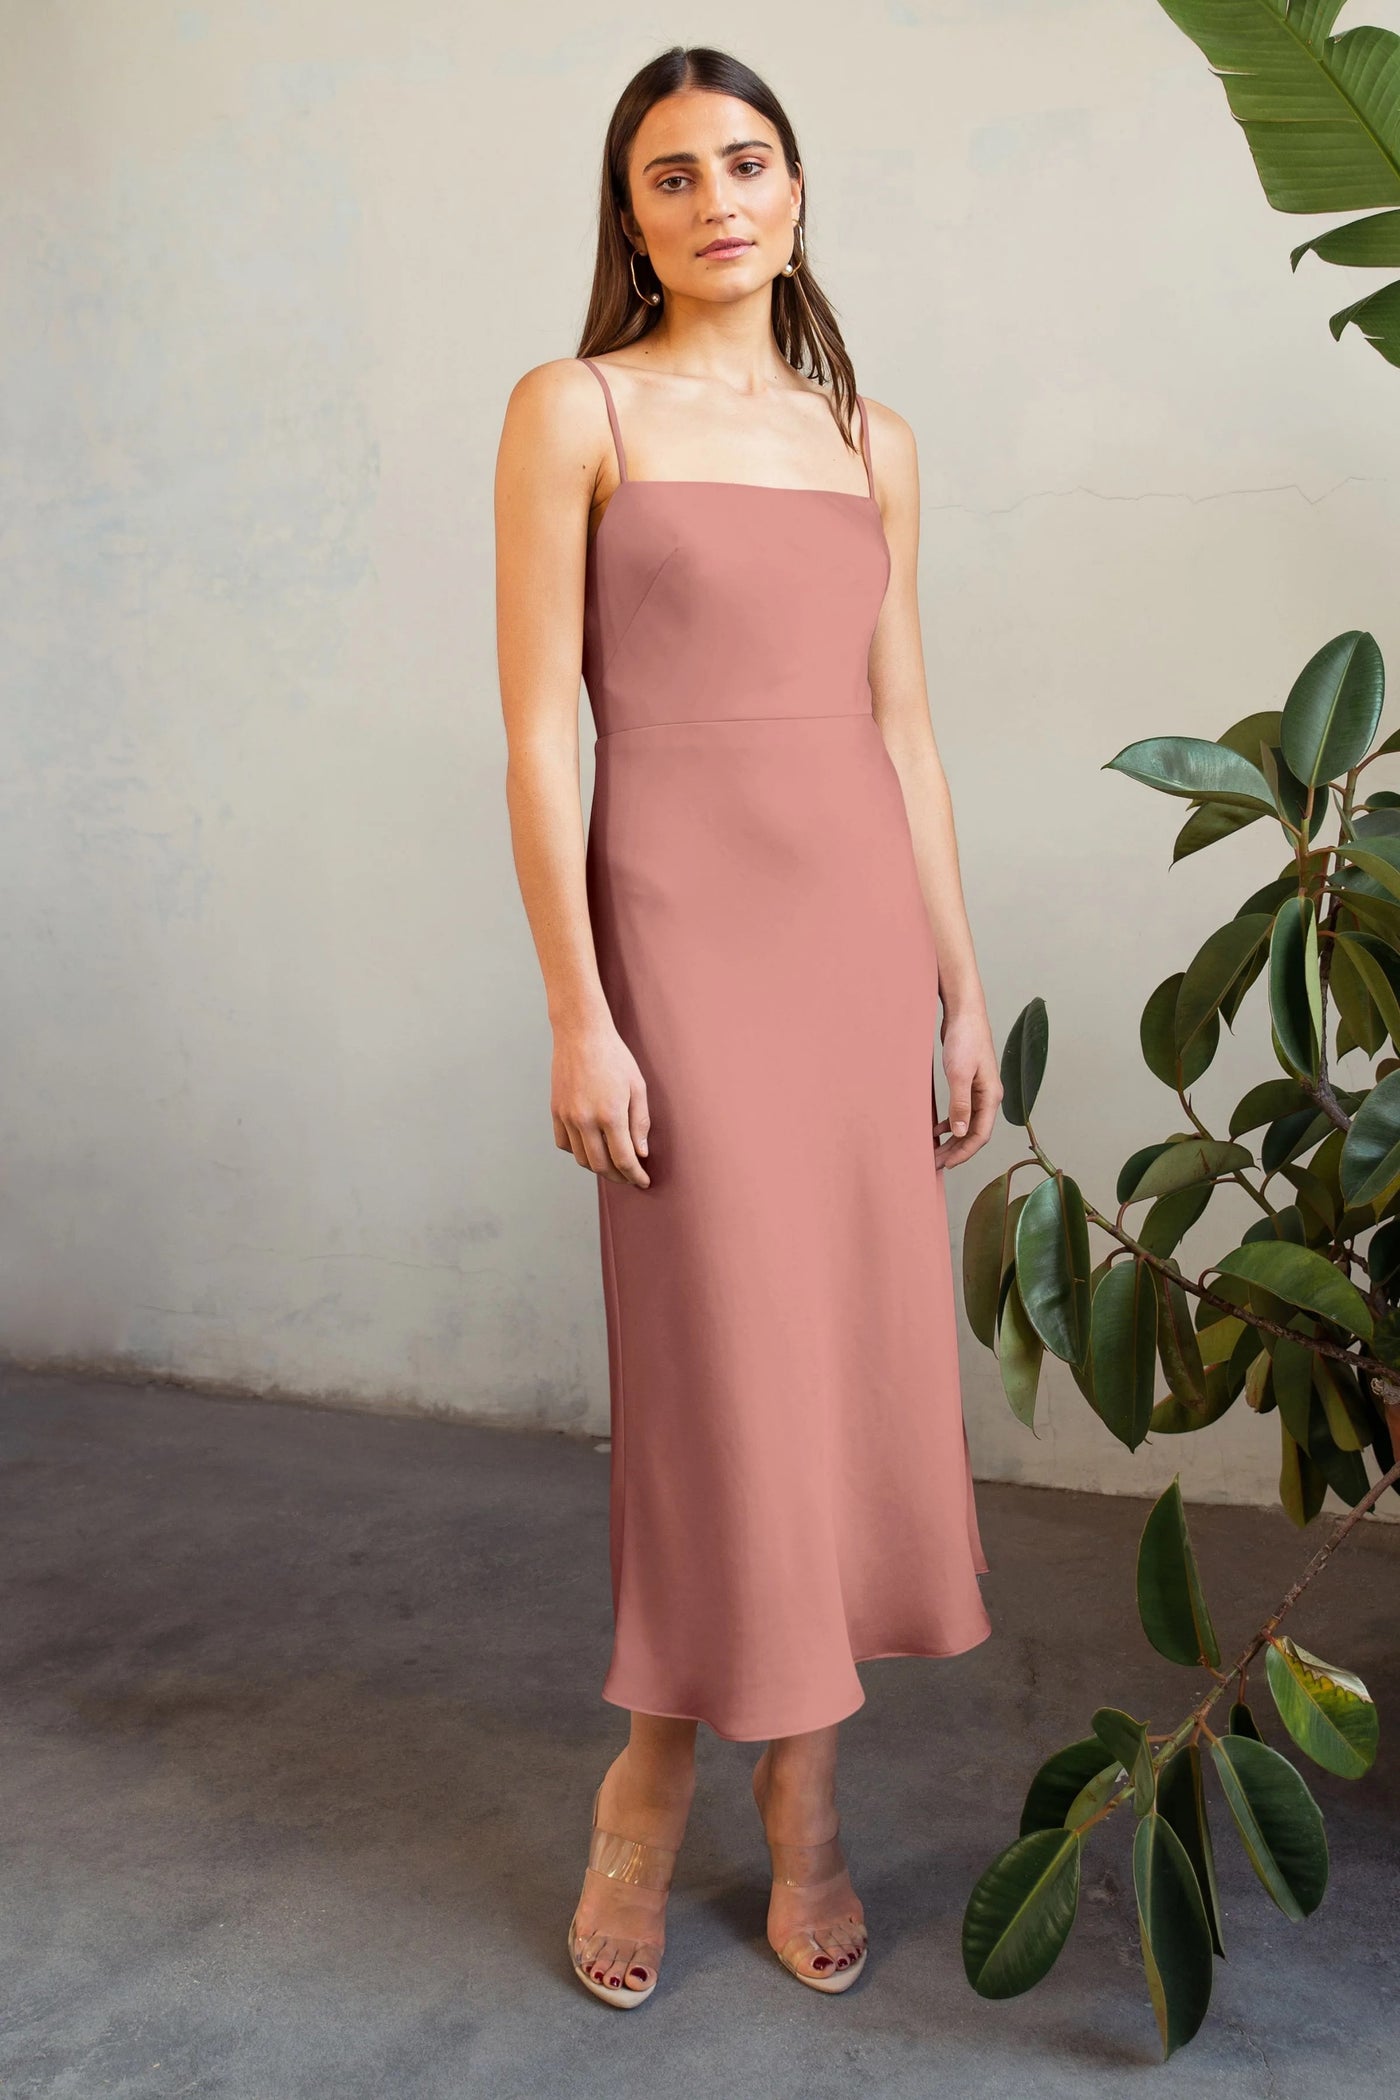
(1299, 1320)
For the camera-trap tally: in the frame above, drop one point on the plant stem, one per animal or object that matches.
(1196, 1718)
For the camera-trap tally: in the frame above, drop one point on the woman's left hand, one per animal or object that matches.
(974, 1086)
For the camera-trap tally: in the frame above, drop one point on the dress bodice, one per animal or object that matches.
(711, 600)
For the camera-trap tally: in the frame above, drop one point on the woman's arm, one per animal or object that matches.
(900, 698)
(553, 445)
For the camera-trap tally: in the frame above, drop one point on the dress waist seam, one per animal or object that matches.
(839, 714)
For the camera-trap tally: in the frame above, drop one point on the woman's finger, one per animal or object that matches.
(596, 1152)
(618, 1138)
(640, 1116)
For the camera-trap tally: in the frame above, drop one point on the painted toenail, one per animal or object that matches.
(638, 1972)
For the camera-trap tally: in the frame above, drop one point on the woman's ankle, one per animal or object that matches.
(665, 1783)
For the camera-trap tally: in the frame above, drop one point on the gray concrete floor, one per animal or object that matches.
(300, 1724)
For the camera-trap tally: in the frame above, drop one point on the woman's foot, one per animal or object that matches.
(619, 1927)
(816, 1923)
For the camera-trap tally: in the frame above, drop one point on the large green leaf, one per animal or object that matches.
(1279, 1823)
(1171, 1417)
(1331, 715)
(1019, 1914)
(1052, 1266)
(1171, 1218)
(1348, 1424)
(1059, 1782)
(1288, 80)
(1217, 969)
(1023, 1061)
(1378, 969)
(1293, 1386)
(1362, 244)
(1171, 1604)
(1381, 915)
(1157, 1036)
(1179, 1345)
(1343, 1470)
(1318, 111)
(1295, 987)
(1183, 1162)
(1267, 1102)
(1301, 1276)
(1193, 767)
(988, 1237)
(1123, 1344)
(1371, 1154)
(1181, 1800)
(1328, 1712)
(1379, 858)
(1208, 825)
(1176, 1942)
(1360, 1024)
(1020, 1352)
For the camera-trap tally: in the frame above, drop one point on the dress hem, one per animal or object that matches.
(769, 1735)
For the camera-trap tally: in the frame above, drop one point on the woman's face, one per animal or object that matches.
(708, 169)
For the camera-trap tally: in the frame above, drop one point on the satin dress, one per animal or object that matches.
(790, 1492)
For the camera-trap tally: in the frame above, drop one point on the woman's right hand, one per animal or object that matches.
(598, 1099)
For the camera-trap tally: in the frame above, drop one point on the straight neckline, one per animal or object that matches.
(766, 488)
(770, 488)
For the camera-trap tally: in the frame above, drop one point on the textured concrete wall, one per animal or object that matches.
(275, 1105)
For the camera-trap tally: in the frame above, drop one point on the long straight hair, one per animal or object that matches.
(804, 323)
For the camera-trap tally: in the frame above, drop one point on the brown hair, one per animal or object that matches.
(804, 322)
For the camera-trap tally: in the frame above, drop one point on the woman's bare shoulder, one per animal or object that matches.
(556, 411)
(554, 387)
(889, 427)
(894, 454)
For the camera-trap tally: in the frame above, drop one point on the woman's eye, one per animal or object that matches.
(670, 183)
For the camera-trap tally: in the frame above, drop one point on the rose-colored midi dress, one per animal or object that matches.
(790, 1491)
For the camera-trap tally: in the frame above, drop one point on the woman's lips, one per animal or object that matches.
(726, 248)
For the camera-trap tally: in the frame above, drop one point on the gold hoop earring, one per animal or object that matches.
(649, 298)
(794, 264)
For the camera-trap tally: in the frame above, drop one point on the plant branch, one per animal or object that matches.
(1319, 1346)
(1196, 1718)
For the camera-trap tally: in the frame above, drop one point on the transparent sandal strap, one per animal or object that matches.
(799, 1866)
(645, 1865)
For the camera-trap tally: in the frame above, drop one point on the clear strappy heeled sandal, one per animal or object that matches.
(645, 1866)
(840, 1941)
(833, 1948)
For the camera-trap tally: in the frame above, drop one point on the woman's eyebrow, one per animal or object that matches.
(735, 146)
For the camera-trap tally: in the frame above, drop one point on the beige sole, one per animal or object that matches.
(840, 1981)
(622, 1997)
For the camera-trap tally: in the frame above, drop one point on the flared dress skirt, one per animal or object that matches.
(790, 1490)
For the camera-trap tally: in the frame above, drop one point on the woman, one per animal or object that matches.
(743, 964)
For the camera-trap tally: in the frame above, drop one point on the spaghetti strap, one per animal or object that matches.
(597, 372)
(865, 443)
